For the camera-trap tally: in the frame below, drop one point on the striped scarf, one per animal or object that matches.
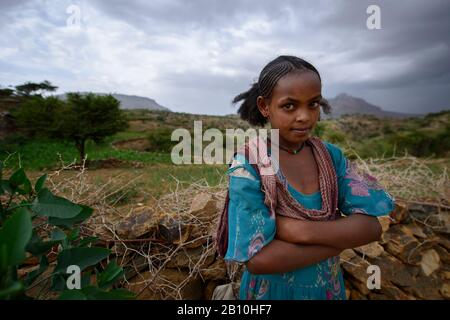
(276, 195)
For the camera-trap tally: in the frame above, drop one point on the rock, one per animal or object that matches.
(443, 254)
(417, 231)
(394, 271)
(136, 265)
(209, 290)
(163, 286)
(103, 234)
(356, 295)
(347, 293)
(215, 271)
(173, 231)
(347, 255)
(372, 250)
(445, 291)
(204, 207)
(356, 269)
(444, 243)
(445, 275)
(426, 288)
(118, 249)
(361, 286)
(391, 292)
(189, 258)
(400, 212)
(196, 237)
(430, 262)
(402, 245)
(137, 223)
(385, 222)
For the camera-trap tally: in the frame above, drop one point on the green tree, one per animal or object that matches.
(78, 119)
(34, 89)
(37, 116)
(90, 116)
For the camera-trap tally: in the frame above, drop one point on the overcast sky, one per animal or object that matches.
(195, 56)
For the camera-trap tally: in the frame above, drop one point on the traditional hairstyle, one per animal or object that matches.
(268, 78)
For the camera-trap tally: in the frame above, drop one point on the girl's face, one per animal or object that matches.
(294, 107)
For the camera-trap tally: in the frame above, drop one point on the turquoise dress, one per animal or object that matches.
(251, 228)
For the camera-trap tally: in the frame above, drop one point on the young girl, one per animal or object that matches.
(285, 227)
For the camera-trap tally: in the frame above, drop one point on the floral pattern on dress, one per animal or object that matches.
(256, 244)
(253, 294)
(360, 184)
(332, 273)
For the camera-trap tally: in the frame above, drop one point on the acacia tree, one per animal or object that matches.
(34, 89)
(90, 116)
(78, 119)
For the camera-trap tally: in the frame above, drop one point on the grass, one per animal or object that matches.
(41, 154)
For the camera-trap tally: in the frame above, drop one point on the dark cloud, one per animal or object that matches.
(197, 53)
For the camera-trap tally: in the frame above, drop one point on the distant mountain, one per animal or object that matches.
(130, 102)
(347, 104)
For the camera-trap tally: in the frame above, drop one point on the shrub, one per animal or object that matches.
(35, 222)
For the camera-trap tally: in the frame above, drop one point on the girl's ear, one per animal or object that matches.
(262, 106)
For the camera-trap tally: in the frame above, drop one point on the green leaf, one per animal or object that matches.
(115, 294)
(13, 289)
(58, 283)
(43, 265)
(27, 187)
(82, 257)
(6, 186)
(94, 293)
(73, 235)
(74, 294)
(85, 213)
(110, 275)
(58, 235)
(38, 247)
(14, 236)
(86, 241)
(40, 183)
(18, 178)
(1, 174)
(49, 205)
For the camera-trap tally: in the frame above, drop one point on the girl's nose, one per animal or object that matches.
(301, 116)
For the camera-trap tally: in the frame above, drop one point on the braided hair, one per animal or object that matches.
(268, 78)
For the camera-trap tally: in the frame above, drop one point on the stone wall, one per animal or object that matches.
(412, 255)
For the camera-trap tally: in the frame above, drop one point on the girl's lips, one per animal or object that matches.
(301, 131)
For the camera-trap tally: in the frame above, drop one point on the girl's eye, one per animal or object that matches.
(288, 106)
(315, 104)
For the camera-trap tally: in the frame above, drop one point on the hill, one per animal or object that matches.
(130, 101)
(345, 104)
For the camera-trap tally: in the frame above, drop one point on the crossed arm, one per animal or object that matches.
(301, 243)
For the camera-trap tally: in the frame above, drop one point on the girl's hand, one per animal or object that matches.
(291, 230)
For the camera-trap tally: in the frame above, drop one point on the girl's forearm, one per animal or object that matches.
(281, 256)
(350, 232)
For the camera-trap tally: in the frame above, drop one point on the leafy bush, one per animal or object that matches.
(159, 139)
(36, 223)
